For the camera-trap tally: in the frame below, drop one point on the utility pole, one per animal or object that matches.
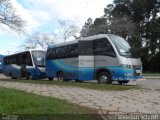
(8, 52)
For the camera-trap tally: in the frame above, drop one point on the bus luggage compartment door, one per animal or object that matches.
(86, 68)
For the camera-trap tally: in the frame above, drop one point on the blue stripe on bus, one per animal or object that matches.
(87, 73)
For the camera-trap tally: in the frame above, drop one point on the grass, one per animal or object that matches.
(88, 85)
(28, 106)
(152, 74)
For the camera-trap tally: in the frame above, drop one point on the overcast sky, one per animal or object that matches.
(42, 15)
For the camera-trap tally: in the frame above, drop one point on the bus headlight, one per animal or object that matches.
(125, 66)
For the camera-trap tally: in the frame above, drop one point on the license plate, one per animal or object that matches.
(138, 71)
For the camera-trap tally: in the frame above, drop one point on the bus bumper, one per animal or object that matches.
(128, 78)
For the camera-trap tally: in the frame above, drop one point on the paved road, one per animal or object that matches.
(111, 102)
(153, 84)
(3, 77)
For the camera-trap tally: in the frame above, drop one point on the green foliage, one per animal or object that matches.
(139, 22)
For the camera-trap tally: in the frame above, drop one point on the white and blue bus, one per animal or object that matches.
(28, 64)
(104, 57)
(1, 63)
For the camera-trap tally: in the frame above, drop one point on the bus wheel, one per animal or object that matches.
(104, 78)
(121, 82)
(50, 79)
(12, 76)
(78, 80)
(60, 76)
(29, 77)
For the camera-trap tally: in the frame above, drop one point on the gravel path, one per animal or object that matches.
(111, 102)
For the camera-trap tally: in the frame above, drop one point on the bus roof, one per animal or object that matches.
(81, 39)
(18, 52)
(62, 44)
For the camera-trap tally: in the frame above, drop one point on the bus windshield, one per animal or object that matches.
(39, 58)
(123, 47)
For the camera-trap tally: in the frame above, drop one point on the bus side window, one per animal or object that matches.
(61, 52)
(110, 51)
(19, 59)
(5, 61)
(85, 48)
(51, 54)
(103, 47)
(64, 52)
(58, 52)
(28, 60)
(72, 50)
(14, 60)
(8, 60)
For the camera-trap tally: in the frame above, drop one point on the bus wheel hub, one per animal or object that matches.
(103, 78)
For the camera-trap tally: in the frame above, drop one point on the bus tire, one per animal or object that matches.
(104, 78)
(50, 79)
(121, 82)
(60, 76)
(29, 77)
(12, 76)
(78, 80)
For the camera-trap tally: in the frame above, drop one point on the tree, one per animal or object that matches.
(38, 41)
(86, 27)
(118, 25)
(144, 13)
(67, 30)
(99, 26)
(136, 20)
(152, 46)
(9, 18)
